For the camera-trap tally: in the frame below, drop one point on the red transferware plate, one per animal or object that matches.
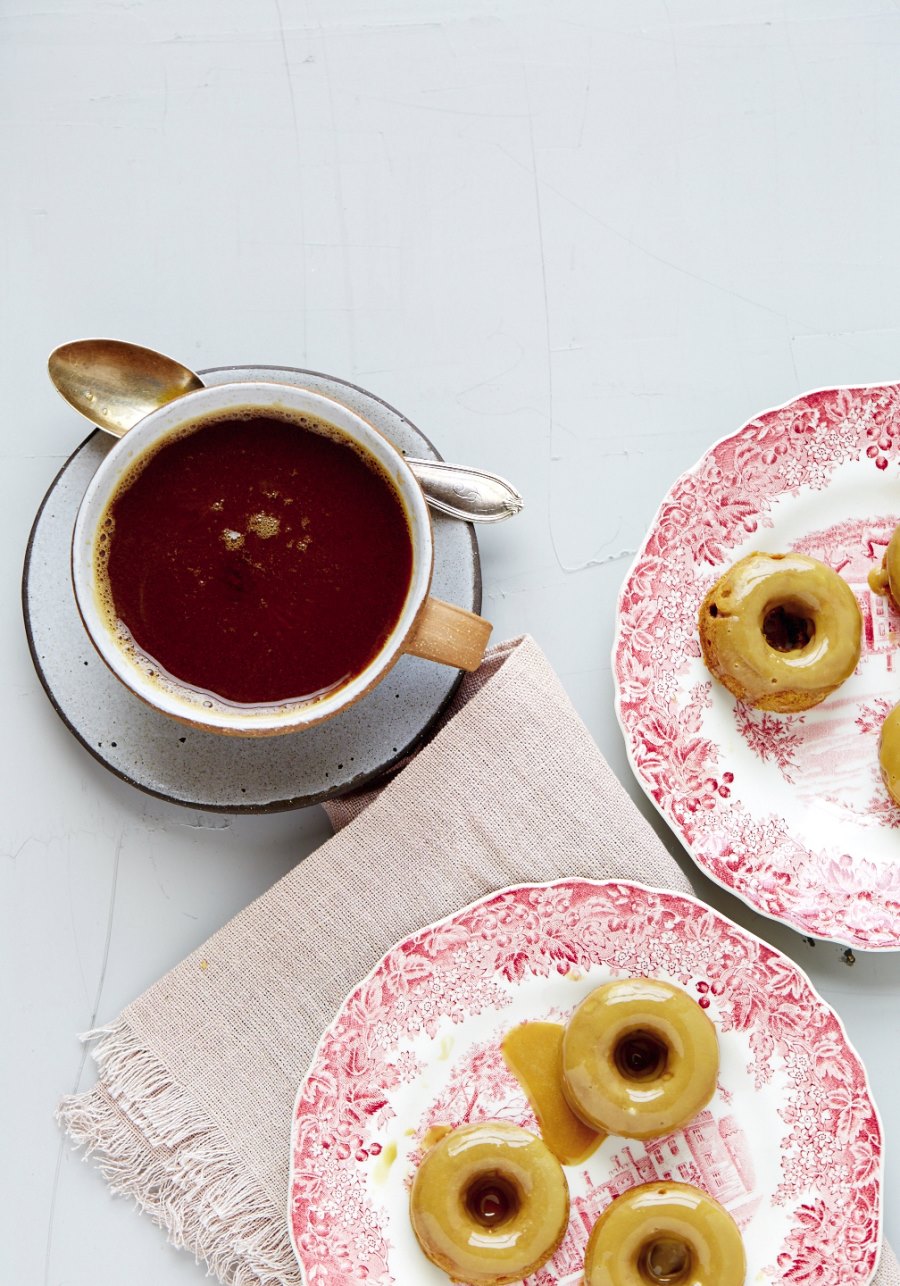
(787, 811)
(790, 1142)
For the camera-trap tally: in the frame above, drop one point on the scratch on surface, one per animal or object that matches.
(15, 853)
(792, 51)
(546, 298)
(296, 127)
(387, 153)
(584, 112)
(33, 455)
(793, 357)
(165, 111)
(644, 35)
(448, 111)
(497, 375)
(359, 245)
(595, 560)
(349, 303)
(600, 562)
(209, 822)
(287, 71)
(650, 253)
(84, 985)
(84, 1049)
(672, 38)
(162, 887)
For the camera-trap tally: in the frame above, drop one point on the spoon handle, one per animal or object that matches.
(471, 494)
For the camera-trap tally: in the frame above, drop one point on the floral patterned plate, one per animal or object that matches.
(790, 1143)
(787, 811)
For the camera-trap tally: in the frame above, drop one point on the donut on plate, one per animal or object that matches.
(665, 1234)
(489, 1203)
(780, 631)
(885, 580)
(889, 753)
(639, 1058)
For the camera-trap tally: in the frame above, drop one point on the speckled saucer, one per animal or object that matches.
(201, 769)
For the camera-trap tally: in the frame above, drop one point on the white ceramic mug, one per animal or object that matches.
(426, 626)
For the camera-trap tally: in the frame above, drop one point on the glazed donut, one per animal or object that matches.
(780, 631)
(885, 580)
(489, 1203)
(889, 753)
(665, 1234)
(639, 1058)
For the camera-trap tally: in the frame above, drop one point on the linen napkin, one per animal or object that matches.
(191, 1113)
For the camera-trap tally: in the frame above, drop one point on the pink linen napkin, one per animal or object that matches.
(191, 1113)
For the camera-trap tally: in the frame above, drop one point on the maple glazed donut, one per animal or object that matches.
(639, 1058)
(780, 631)
(885, 580)
(489, 1203)
(889, 753)
(665, 1234)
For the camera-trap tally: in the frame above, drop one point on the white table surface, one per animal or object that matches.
(574, 240)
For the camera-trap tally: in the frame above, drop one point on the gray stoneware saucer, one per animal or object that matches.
(231, 774)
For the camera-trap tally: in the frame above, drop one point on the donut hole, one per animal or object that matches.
(665, 1261)
(640, 1055)
(492, 1199)
(788, 627)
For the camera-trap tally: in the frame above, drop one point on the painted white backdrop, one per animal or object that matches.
(576, 241)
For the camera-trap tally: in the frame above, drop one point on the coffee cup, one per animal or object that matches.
(252, 558)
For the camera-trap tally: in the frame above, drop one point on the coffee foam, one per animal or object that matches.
(313, 423)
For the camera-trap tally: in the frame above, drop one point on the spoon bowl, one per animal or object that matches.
(115, 384)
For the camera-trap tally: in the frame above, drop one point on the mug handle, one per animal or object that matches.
(448, 634)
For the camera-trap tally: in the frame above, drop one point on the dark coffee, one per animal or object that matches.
(257, 558)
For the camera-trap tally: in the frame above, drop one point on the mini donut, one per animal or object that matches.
(780, 631)
(489, 1203)
(885, 580)
(639, 1058)
(889, 753)
(665, 1234)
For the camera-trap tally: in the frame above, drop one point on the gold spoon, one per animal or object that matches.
(115, 384)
